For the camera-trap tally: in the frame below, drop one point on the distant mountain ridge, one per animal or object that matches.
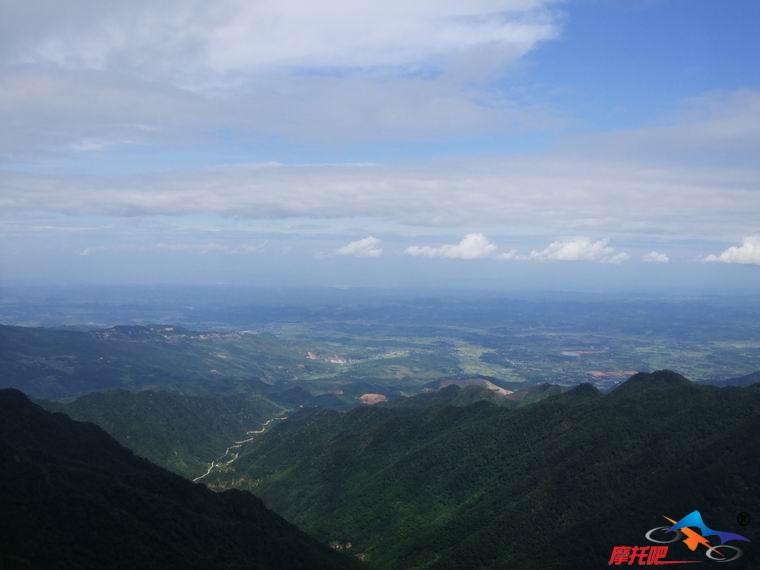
(746, 380)
(72, 497)
(455, 394)
(59, 364)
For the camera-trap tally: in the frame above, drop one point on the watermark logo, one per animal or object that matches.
(657, 554)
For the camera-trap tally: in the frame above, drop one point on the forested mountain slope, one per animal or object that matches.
(179, 432)
(554, 484)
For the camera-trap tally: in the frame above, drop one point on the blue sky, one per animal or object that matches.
(628, 62)
(500, 143)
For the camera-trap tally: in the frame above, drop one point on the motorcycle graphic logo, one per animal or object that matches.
(716, 549)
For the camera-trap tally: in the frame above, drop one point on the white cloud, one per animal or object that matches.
(579, 249)
(90, 73)
(88, 251)
(62, 109)
(511, 255)
(656, 257)
(173, 247)
(540, 196)
(234, 36)
(746, 253)
(720, 128)
(477, 246)
(472, 246)
(367, 247)
(94, 145)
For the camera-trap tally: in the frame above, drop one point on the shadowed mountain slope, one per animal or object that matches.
(72, 497)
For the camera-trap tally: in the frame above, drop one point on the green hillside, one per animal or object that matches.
(73, 498)
(554, 484)
(178, 432)
(453, 395)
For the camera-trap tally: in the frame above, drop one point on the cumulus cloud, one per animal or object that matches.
(656, 257)
(579, 249)
(472, 246)
(746, 253)
(367, 247)
(477, 246)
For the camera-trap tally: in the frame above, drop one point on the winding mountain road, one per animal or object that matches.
(232, 453)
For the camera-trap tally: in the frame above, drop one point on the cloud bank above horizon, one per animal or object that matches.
(393, 133)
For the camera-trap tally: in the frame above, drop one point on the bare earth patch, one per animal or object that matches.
(372, 399)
